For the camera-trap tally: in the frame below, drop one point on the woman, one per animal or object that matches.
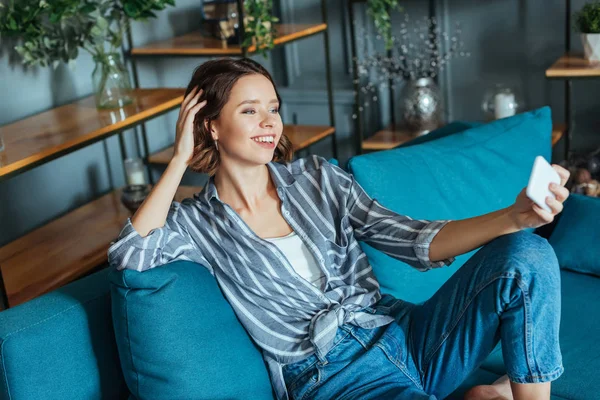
(281, 239)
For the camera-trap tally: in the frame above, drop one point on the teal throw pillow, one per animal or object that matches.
(576, 236)
(178, 337)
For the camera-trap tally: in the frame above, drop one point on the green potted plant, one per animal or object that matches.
(587, 23)
(259, 25)
(52, 32)
(380, 10)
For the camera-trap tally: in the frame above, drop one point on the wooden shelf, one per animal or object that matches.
(66, 248)
(301, 136)
(573, 65)
(558, 130)
(51, 134)
(389, 138)
(195, 44)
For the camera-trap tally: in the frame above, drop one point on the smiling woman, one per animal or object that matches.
(242, 103)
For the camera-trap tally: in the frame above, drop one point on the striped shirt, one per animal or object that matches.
(285, 315)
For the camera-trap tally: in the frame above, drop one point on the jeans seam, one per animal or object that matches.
(504, 275)
(399, 365)
(528, 330)
(536, 378)
(316, 362)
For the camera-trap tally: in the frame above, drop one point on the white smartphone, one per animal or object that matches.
(542, 174)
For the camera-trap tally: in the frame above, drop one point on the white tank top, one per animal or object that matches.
(301, 258)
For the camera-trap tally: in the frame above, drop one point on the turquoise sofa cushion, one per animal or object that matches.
(579, 327)
(461, 175)
(576, 237)
(178, 337)
(61, 345)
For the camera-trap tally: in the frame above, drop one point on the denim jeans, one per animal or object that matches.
(509, 291)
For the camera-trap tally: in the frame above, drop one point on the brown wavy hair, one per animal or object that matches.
(216, 78)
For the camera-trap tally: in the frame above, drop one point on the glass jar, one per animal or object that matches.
(134, 171)
(112, 87)
(501, 101)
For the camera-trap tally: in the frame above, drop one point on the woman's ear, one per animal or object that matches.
(209, 126)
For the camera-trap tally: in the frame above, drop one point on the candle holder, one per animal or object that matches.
(137, 189)
(501, 101)
(133, 196)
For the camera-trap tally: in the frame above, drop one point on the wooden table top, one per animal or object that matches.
(50, 134)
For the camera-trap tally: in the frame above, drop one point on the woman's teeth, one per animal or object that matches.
(266, 139)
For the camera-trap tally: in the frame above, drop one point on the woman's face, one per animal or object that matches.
(251, 114)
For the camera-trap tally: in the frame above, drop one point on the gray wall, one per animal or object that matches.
(511, 41)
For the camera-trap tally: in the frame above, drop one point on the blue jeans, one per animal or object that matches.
(509, 291)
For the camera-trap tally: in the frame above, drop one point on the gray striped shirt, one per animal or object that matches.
(286, 316)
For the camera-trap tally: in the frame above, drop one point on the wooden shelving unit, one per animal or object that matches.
(74, 244)
(195, 44)
(67, 248)
(43, 137)
(301, 137)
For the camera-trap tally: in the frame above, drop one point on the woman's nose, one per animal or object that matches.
(268, 121)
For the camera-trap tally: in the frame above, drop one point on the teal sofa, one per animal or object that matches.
(179, 338)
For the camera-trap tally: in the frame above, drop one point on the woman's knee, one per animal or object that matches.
(523, 253)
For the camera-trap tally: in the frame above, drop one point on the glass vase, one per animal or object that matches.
(112, 87)
(422, 106)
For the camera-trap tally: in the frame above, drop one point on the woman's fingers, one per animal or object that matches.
(563, 173)
(555, 205)
(560, 192)
(188, 99)
(544, 215)
(191, 113)
(193, 101)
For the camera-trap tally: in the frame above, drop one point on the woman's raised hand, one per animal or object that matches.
(184, 140)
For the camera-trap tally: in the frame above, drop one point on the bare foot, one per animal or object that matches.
(499, 390)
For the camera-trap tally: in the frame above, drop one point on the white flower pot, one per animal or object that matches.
(591, 46)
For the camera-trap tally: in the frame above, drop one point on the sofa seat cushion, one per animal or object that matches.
(178, 337)
(460, 175)
(579, 332)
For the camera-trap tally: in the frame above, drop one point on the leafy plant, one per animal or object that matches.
(54, 31)
(259, 25)
(587, 20)
(380, 10)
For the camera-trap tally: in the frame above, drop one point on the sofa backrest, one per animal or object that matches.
(61, 345)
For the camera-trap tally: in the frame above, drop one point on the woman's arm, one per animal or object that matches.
(461, 236)
(152, 213)
(159, 230)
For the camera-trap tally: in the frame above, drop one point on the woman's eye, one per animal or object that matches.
(274, 110)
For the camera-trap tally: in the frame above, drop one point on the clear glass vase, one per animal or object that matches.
(112, 87)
